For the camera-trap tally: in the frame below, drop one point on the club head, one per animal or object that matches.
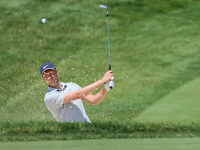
(104, 7)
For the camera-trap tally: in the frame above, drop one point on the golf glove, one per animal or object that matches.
(106, 86)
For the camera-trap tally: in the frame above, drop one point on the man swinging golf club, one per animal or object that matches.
(64, 100)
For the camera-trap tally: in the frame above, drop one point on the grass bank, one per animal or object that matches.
(34, 131)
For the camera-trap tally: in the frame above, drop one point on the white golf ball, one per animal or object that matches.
(43, 20)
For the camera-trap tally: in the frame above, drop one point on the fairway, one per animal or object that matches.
(181, 105)
(107, 144)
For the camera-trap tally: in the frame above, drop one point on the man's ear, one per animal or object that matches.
(43, 77)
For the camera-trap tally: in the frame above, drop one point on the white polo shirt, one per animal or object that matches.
(70, 112)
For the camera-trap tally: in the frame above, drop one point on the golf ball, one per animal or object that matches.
(43, 20)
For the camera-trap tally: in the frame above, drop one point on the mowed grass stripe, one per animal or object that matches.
(181, 105)
(117, 144)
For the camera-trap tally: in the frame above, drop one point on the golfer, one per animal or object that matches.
(64, 100)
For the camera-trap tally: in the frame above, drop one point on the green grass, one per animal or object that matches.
(35, 131)
(117, 144)
(154, 50)
(182, 105)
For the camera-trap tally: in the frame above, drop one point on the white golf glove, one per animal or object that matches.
(106, 86)
(111, 83)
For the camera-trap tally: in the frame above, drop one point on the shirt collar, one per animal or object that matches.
(52, 89)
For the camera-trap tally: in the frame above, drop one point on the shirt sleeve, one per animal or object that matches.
(54, 99)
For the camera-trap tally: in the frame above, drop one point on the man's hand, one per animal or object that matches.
(107, 76)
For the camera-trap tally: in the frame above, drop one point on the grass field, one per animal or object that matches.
(154, 52)
(129, 144)
(182, 105)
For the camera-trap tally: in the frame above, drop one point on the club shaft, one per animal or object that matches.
(108, 42)
(111, 83)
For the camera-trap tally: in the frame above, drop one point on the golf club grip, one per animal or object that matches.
(111, 84)
(109, 66)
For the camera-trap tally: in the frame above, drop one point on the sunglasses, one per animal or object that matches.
(47, 75)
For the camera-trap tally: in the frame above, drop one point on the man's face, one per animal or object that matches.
(50, 77)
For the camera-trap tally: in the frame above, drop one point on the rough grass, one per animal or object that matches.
(34, 131)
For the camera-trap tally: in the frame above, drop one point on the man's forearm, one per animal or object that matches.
(96, 99)
(83, 92)
(90, 88)
(100, 96)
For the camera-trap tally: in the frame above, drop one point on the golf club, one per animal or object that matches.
(111, 83)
